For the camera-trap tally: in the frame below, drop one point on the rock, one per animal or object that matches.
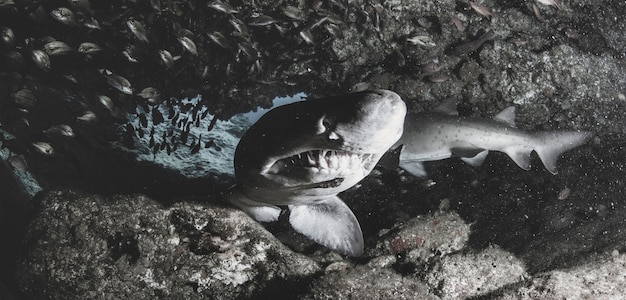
(83, 246)
(424, 237)
(603, 279)
(367, 282)
(461, 276)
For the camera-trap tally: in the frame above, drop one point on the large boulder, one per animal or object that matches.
(83, 246)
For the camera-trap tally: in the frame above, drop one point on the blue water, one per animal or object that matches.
(217, 159)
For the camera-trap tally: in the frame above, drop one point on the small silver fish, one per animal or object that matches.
(61, 129)
(43, 148)
(149, 92)
(131, 53)
(554, 3)
(92, 23)
(41, 59)
(460, 27)
(221, 6)
(480, 9)
(294, 13)
(166, 58)
(334, 30)
(17, 162)
(138, 29)
(120, 83)
(88, 117)
(8, 37)
(219, 39)
(106, 101)
(240, 26)
(248, 50)
(262, 20)
(25, 98)
(188, 44)
(89, 48)
(57, 48)
(64, 15)
(307, 36)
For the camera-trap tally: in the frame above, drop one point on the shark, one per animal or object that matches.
(442, 133)
(300, 156)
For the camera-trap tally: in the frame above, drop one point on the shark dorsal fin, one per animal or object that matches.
(507, 116)
(448, 107)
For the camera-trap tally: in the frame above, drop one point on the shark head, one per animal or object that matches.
(306, 150)
(303, 154)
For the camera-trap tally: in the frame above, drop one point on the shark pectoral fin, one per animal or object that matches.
(257, 210)
(415, 168)
(477, 160)
(330, 223)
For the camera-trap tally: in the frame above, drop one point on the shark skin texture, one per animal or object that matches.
(299, 156)
(442, 133)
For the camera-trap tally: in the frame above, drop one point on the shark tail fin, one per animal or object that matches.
(330, 223)
(551, 144)
(257, 210)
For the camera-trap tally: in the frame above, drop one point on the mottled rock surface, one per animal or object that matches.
(603, 279)
(369, 282)
(83, 246)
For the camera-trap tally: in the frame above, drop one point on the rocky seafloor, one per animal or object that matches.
(107, 226)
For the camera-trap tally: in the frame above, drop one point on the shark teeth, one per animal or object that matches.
(325, 160)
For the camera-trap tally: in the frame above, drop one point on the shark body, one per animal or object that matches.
(301, 155)
(441, 133)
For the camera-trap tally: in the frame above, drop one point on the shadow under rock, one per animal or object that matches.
(548, 221)
(552, 221)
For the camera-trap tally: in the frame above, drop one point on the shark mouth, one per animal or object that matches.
(327, 159)
(323, 167)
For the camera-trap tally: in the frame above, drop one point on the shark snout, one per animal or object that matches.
(385, 110)
(388, 104)
(377, 123)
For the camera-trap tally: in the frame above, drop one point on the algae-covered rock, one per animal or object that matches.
(83, 246)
